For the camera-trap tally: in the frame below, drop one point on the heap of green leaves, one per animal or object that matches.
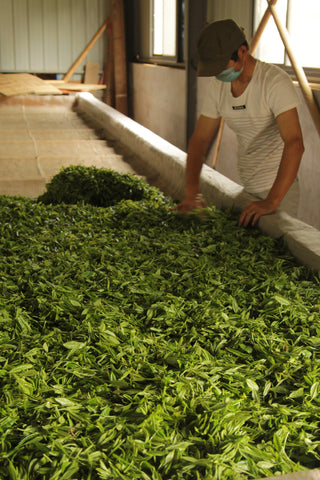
(139, 344)
(96, 186)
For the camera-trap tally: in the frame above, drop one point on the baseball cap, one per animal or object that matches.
(216, 43)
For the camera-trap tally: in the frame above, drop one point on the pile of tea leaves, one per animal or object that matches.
(136, 343)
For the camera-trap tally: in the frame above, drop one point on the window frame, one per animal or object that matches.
(177, 60)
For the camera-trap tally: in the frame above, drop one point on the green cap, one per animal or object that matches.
(217, 42)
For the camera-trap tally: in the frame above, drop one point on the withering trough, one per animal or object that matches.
(164, 163)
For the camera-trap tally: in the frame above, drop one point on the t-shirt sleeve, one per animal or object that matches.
(282, 94)
(209, 107)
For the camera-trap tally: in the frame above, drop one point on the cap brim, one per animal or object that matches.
(211, 69)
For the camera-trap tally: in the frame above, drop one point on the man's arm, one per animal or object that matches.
(204, 133)
(290, 131)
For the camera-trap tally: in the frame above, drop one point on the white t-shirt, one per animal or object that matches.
(252, 116)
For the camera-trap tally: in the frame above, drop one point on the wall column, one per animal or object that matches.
(195, 20)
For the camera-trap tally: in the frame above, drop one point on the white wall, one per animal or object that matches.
(239, 10)
(47, 36)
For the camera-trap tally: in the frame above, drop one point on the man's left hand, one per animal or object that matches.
(255, 210)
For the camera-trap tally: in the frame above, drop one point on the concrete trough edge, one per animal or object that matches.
(168, 161)
(302, 475)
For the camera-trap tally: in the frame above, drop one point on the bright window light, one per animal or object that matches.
(164, 27)
(157, 27)
(302, 19)
(270, 47)
(304, 28)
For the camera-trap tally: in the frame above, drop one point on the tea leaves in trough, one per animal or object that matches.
(139, 344)
(95, 186)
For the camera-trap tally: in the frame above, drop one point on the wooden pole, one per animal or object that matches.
(262, 25)
(302, 79)
(119, 51)
(218, 143)
(254, 42)
(85, 52)
(109, 70)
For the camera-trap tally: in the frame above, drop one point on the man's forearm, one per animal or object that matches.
(287, 172)
(195, 161)
(205, 130)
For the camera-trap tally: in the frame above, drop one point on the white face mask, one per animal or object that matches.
(229, 75)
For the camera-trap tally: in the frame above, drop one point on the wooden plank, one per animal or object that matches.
(92, 73)
(74, 86)
(25, 83)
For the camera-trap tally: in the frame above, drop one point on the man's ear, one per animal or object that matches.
(242, 52)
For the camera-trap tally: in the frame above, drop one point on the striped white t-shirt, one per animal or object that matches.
(252, 116)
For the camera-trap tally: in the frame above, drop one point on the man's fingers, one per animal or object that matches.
(250, 215)
(188, 205)
(254, 211)
(245, 220)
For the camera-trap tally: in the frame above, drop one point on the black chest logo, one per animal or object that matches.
(238, 107)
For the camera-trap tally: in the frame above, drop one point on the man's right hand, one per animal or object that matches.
(203, 135)
(190, 203)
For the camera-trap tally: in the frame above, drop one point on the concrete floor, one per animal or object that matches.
(39, 135)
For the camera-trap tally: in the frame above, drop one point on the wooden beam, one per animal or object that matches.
(195, 20)
(85, 52)
(119, 52)
(109, 70)
(302, 79)
(218, 143)
(261, 27)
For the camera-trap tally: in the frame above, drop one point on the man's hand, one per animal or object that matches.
(190, 203)
(203, 135)
(255, 210)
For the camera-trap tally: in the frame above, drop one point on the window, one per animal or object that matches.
(302, 19)
(167, 31)
(164, 27)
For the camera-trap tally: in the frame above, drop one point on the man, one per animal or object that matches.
(259, 103)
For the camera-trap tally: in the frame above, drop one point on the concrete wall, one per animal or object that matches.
(159, 100)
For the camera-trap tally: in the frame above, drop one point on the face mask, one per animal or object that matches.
(229, 75)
